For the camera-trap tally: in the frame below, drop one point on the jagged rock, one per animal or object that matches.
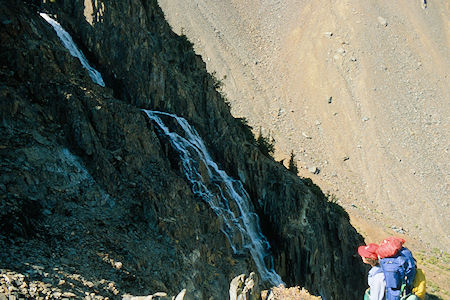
(283, 293)
(245, 288)
(118, 265)
(236, 285)
(60, 152)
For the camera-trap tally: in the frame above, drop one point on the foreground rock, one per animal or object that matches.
(245, 288)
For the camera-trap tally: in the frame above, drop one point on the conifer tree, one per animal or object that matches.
(293, 164)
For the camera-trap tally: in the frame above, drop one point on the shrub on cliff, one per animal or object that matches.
(265, 144)
(293, 164)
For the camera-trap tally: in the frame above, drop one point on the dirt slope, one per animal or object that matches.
(358, 90)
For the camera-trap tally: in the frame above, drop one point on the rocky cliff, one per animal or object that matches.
(94, 201)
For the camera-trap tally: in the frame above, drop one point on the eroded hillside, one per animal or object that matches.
(358, 90)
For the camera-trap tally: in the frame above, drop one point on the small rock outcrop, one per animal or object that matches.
(245, 288)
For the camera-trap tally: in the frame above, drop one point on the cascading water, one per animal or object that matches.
(73, 49)
(225, 195)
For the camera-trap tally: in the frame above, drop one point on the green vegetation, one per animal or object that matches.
(187, 43)
(434, 261)
(243, 122)
(293, 164)
(218, 84)
(265, 144)
(313, 187)
(432, 287)
(438, 258)
(333, 202)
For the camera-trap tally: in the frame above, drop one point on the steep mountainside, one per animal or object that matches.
(358, 90)
(94, 201)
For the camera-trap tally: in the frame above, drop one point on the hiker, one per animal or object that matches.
(399, 268)
(377, 284)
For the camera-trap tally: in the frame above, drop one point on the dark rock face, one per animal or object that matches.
(87, 183)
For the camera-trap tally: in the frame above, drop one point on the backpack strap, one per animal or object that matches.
(403, 292)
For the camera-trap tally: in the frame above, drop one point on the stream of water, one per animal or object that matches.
(225, 195)
(68, 42)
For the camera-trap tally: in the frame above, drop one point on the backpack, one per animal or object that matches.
(419, 284)
(400, 269)
(419, 287)
(390, 247)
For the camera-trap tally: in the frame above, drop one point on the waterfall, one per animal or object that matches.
(225, 195)
(67, 41)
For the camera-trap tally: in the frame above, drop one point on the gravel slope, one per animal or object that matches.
(358, 90)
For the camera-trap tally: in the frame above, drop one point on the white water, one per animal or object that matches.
(225, 195)
(73, 49)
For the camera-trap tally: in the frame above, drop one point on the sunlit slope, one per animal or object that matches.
(358, 90)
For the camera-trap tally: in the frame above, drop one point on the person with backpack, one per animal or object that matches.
(399, 268)
(375, 278)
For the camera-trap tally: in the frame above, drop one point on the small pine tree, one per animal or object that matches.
(265, 144)
(293, 164)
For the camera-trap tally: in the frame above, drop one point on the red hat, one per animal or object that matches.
(368, 251)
